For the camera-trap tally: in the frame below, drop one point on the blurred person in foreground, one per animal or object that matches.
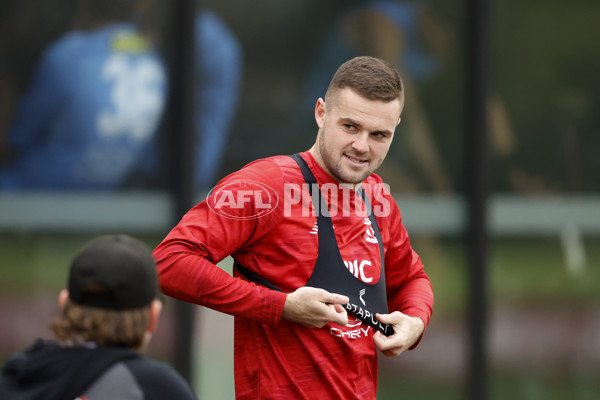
(311, 303)
(108, 314)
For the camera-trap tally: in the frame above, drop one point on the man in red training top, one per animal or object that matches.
(318, 242)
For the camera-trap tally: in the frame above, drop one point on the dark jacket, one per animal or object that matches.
(49, 371)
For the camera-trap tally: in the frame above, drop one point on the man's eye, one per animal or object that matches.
(350, 127)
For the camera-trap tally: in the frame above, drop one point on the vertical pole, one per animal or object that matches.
(181, 137)
(478, 43)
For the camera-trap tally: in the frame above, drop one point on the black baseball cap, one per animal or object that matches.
(114, 272)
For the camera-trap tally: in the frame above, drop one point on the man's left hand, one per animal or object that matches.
(407, 330)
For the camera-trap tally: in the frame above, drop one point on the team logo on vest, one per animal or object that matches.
(370, 233)
(242, 199)
(353, 322)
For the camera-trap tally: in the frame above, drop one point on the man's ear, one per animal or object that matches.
(155, 310)
(63, 296)
(320, 112)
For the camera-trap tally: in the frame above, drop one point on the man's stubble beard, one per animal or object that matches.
(335, 168)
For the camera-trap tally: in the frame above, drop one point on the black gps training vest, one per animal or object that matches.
(329, 272)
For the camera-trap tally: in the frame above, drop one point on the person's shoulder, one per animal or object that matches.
(374, 179)
(61, 50)
(150, 368)
(283, 167)
(376, 183)
(267, 170)
(39, 348)
(278, 160)
(214, 33)
(159, 380)
(208, 21)
(67, 49)
(70, 41)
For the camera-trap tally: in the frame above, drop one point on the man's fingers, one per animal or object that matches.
(340, 316)
(339, 308)
(334, 298)
(385, 318)
(387, 345)
(392, 318)
(407, 331)
(315, 307)
(336, 301)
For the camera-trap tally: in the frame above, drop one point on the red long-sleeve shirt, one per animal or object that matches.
(272, 234)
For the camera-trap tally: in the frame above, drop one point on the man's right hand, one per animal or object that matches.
(315, 307)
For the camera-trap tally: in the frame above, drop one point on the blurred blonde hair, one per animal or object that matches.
(79, 324)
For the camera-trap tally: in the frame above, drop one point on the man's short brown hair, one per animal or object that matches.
(370, 77)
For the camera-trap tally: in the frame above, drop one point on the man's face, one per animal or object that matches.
(355, 134)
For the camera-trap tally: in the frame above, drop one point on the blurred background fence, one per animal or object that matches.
(240, 84)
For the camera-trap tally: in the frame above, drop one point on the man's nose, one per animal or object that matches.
(361, 142)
